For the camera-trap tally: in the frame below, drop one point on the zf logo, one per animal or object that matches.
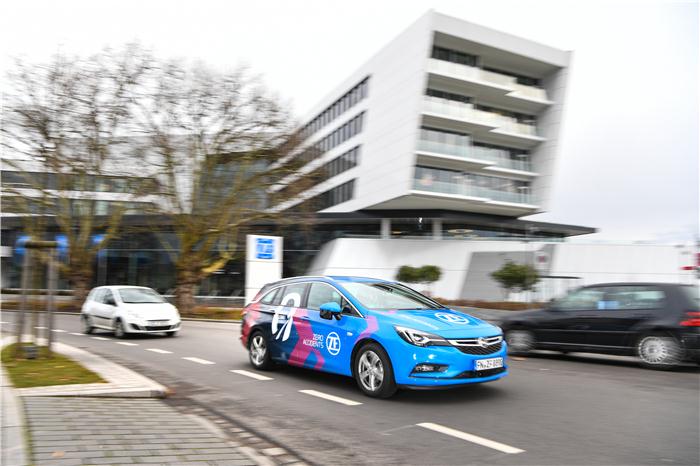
(333, 343)
(451, 318)
(264, 248)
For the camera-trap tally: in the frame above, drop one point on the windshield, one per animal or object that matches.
(389, 296)
(140, 296)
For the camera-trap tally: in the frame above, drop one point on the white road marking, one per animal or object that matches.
(100, 338)
(252, 375)
(77, 334)
(326, 396)
(126, 343)
(158, 350)
(3, 322)
(40, 328)
(199, 361)
(471, 438)
(58, 330)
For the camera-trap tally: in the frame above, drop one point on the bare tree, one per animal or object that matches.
(219, 141)
(64, 139)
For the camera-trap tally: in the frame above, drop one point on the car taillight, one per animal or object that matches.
(693, 319)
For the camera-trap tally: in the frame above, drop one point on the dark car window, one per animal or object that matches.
(581, 300)
(108, 298)
(633, 297)
(692, 293)
(269, 298)
(293, 295)
(321, 293)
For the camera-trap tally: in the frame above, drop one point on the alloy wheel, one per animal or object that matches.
(371, 371)
(659, 351)
(258, 350)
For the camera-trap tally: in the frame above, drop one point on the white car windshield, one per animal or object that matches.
(140, 296)
(389, 296)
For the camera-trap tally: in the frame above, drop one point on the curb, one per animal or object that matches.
(121, 381)
(15, 444)
(192, 319)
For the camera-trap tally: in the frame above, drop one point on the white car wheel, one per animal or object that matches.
(659, 351)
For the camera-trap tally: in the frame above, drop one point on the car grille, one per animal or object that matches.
(479, 374)
(480, 346)
(158, 327)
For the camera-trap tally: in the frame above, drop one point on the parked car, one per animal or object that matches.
(128, 310)
(384, 334)
(659, 322)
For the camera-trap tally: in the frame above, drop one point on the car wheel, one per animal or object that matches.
(119, 331)
(659, 351)
(171, 334)
(520, 341)
(259, 352)
(87, 324)
(373, 372)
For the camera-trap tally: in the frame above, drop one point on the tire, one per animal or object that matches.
(171, 334)
(520, 341)
(119, 330)
(373, 371)
(87, 324)
(259, 352)
(659, 351)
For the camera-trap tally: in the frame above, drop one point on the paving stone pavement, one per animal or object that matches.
(91, 431)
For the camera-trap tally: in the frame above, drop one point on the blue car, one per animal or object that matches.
(384, 334)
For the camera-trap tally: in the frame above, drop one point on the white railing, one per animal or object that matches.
(463, 189)
(464, 111)
(501, 158)
(472, 73)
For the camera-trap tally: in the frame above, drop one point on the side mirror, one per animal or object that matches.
(111, 302)
(330, 310)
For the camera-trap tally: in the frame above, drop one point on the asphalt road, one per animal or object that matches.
(551, 409)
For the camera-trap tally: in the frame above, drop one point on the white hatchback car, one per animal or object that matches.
(129, 309)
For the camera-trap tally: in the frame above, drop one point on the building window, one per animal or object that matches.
(445, 54)
(340, 106)
(449, 96)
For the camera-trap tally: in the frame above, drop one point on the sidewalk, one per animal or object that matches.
(81, 431)
(122, 421)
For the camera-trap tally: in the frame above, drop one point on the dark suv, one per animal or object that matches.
(659, 322)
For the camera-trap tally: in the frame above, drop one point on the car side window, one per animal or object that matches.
(269, 298)
(97, 296)
(582, 300)
(293, 295)
(108, 297)
(633, 297)
(322, 293)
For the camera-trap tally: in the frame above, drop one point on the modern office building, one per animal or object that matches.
(450, 129)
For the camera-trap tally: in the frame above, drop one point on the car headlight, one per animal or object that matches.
(420, 338)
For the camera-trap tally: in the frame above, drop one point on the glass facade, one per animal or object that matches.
(337, 108)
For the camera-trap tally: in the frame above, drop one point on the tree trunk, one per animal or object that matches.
(80, 284)
(184, 296)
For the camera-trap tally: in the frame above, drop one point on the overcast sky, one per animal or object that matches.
(629, 155)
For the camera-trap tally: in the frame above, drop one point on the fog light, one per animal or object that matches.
(422, 368)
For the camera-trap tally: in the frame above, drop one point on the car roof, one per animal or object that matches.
(657, 284)
(119, 287)
(326, 278)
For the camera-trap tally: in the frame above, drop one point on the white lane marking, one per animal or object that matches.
(77, 334)
(100, 338)
(471, 438)
(326, 396)
(158, 350)
(58, 330)
(40, 328)
(126, 343)
(252, 375)
(199, 361)
(3, 322)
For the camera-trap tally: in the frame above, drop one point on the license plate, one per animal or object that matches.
(158, 322)
(485, 364)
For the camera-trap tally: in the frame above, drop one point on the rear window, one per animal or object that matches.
(693, 294)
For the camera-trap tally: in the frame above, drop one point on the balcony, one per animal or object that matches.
(505, 83)
(499, 158)
(466, 190)
(478, 120)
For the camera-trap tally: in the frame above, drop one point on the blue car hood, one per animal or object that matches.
(443, 322)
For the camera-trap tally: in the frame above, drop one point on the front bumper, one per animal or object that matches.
(460, 370)
(143, 327)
